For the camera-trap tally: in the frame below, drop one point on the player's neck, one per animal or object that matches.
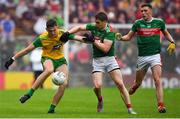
(149, 19)
(105, 27)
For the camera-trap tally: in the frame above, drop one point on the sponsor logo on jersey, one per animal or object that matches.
(57, 46)
(148, 31)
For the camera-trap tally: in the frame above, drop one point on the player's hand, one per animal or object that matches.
(171, 48)
(89, 38)
(118, 36)
(65, 37)
(8, 63)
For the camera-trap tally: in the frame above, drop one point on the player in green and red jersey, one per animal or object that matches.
(52, 42)
(103, 58)
(148, 31)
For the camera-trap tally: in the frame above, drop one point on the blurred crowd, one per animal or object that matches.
(22, 20)
(123, 11)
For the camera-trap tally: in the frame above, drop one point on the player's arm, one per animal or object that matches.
(86, 38)
(128, 36)
(168, 36)
(77, 38)
(67, 35)
(24, 51)
(77, 28)
(172, 46)
(103, 46)
(19, 54)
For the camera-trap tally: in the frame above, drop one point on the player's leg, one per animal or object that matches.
(141, 69)
(59, 93)
(97, 76)
(97, 81)
(139, 77)
(36, 74)
(48, 69)
(156, 72)
(117, 78)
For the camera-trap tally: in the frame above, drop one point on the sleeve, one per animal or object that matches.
(134, 27)
(162, 24)
(110, 36)
(37, 42)
(71, 36)
(90, 27)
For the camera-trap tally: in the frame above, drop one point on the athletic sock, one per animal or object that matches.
(161, 104)
(129, 106)
(30, 92)
(52, 107)
(100, 98)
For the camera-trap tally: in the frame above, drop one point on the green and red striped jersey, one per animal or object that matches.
(102, 34)
(148, 36)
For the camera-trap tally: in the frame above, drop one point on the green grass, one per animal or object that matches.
(81, 103)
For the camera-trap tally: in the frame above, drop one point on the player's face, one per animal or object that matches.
(100, 24)
(52, 31)
(146, 13)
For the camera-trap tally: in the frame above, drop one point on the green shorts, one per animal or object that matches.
(56, 63)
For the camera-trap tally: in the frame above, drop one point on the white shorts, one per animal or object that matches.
(103, 64)
(144, 62)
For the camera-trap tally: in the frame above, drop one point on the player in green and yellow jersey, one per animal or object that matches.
(148, 31)
(103, 58)
(52, 42)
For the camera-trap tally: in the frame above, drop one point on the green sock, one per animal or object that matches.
(30, 92)
(52, 107)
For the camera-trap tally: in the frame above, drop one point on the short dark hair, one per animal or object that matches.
(146, 5)
(51, 23)
(101, 16)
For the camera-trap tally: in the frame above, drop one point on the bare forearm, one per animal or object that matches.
(74, 29)
(128, 37)
(24, 51)
(103, 47)
(79, 38)
(77, 28)
(125, 38)
(169, 37)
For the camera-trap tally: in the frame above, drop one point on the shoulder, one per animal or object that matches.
(43, 35)
(138, 21)
(110, 35)
(91, 25)
(158, 20)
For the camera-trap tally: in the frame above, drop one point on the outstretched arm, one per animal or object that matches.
(126, 37)
(19, 54)
(77, 28)
(79, 38)
(24, 51)
(86, 38)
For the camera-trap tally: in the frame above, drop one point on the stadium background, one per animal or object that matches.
(28, 15)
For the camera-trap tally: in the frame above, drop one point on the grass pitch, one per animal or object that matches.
(81, 103)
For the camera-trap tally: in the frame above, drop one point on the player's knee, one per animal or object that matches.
(98, 86)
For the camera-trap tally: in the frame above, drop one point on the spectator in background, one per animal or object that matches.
(7, 27)
(21, 8)
(40, 25)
